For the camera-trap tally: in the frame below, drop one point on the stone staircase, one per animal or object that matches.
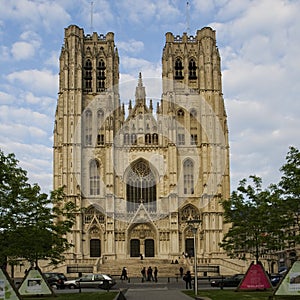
(135, 265)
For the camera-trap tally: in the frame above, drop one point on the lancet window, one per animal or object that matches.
(178, 69)
(87, 69)
(188, 177)
(94, 178)
(192, 69)
(88, 127)
(101, 68)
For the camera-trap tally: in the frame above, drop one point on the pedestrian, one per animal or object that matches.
(181, 271)
(143, 272)
(155, 274)
(124, 274)
(150, 274)
(188, 280)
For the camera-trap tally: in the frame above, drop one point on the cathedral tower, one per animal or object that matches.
(138, 177)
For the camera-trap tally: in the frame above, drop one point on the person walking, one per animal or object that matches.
(181, 271)
(188, 280)
(124, 274)
(155, 274)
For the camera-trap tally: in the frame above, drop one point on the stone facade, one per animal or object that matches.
(138, 172)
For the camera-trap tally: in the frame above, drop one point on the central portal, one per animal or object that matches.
(142, 241)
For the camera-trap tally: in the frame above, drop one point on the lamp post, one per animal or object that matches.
(194, 224)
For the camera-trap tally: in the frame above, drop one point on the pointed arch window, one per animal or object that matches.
(100, 119)
(88, 127)
(94, 178)
(155, 138)
(192, 69)
(188, 177)
(100, 127)
(148, 139)
(133, 139)
(101, 69)
(141, 187)
(178, 69)
(193, 127)
(126, 139)
(87, 76)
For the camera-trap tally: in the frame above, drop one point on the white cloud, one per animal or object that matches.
(34, 14)
(24, 116)
(22, 50)
(131, 46)
(6, 98)
(35, 80)
(4, 53)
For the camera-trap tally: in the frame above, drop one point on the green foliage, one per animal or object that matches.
(30, 227)
(264, 220)
(289, 188)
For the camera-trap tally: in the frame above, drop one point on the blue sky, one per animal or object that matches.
(259, 43)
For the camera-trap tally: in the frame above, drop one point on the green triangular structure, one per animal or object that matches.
(290, 284)
(35, 284)
(7, 288)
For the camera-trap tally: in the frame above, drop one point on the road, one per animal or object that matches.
(137, 285)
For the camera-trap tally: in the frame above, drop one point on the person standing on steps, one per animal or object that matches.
(143, 272)
(150, 274)
(181, 271)
(155, 274)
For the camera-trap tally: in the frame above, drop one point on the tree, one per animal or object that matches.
(289, 188)
(33, 226)
(257, 220)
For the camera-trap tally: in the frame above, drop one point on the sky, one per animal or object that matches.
(259, 44)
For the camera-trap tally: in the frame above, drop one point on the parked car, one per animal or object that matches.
(56, 280)
(232, 281)
(101, 281)
(275, 279)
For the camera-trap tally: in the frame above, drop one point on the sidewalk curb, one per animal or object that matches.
(121, 294)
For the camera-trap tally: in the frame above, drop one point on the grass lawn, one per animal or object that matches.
(80, 296)
(232, 295)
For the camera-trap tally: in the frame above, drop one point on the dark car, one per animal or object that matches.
(101, 281)
(232, 281)
(56, 280)
(275, 279)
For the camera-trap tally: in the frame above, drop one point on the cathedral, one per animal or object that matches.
(141, 172)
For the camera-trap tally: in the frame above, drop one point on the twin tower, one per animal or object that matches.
(140, 170)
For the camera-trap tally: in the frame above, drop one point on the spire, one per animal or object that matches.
(140, 94)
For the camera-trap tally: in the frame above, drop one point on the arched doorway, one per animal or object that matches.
(149, 248)
(140, 186)
(135, 248)
(95, 248)
(189, 247)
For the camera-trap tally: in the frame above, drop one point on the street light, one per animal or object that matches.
(194, 224)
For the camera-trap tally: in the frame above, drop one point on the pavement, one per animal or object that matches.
(164, 289)
(157, 294)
